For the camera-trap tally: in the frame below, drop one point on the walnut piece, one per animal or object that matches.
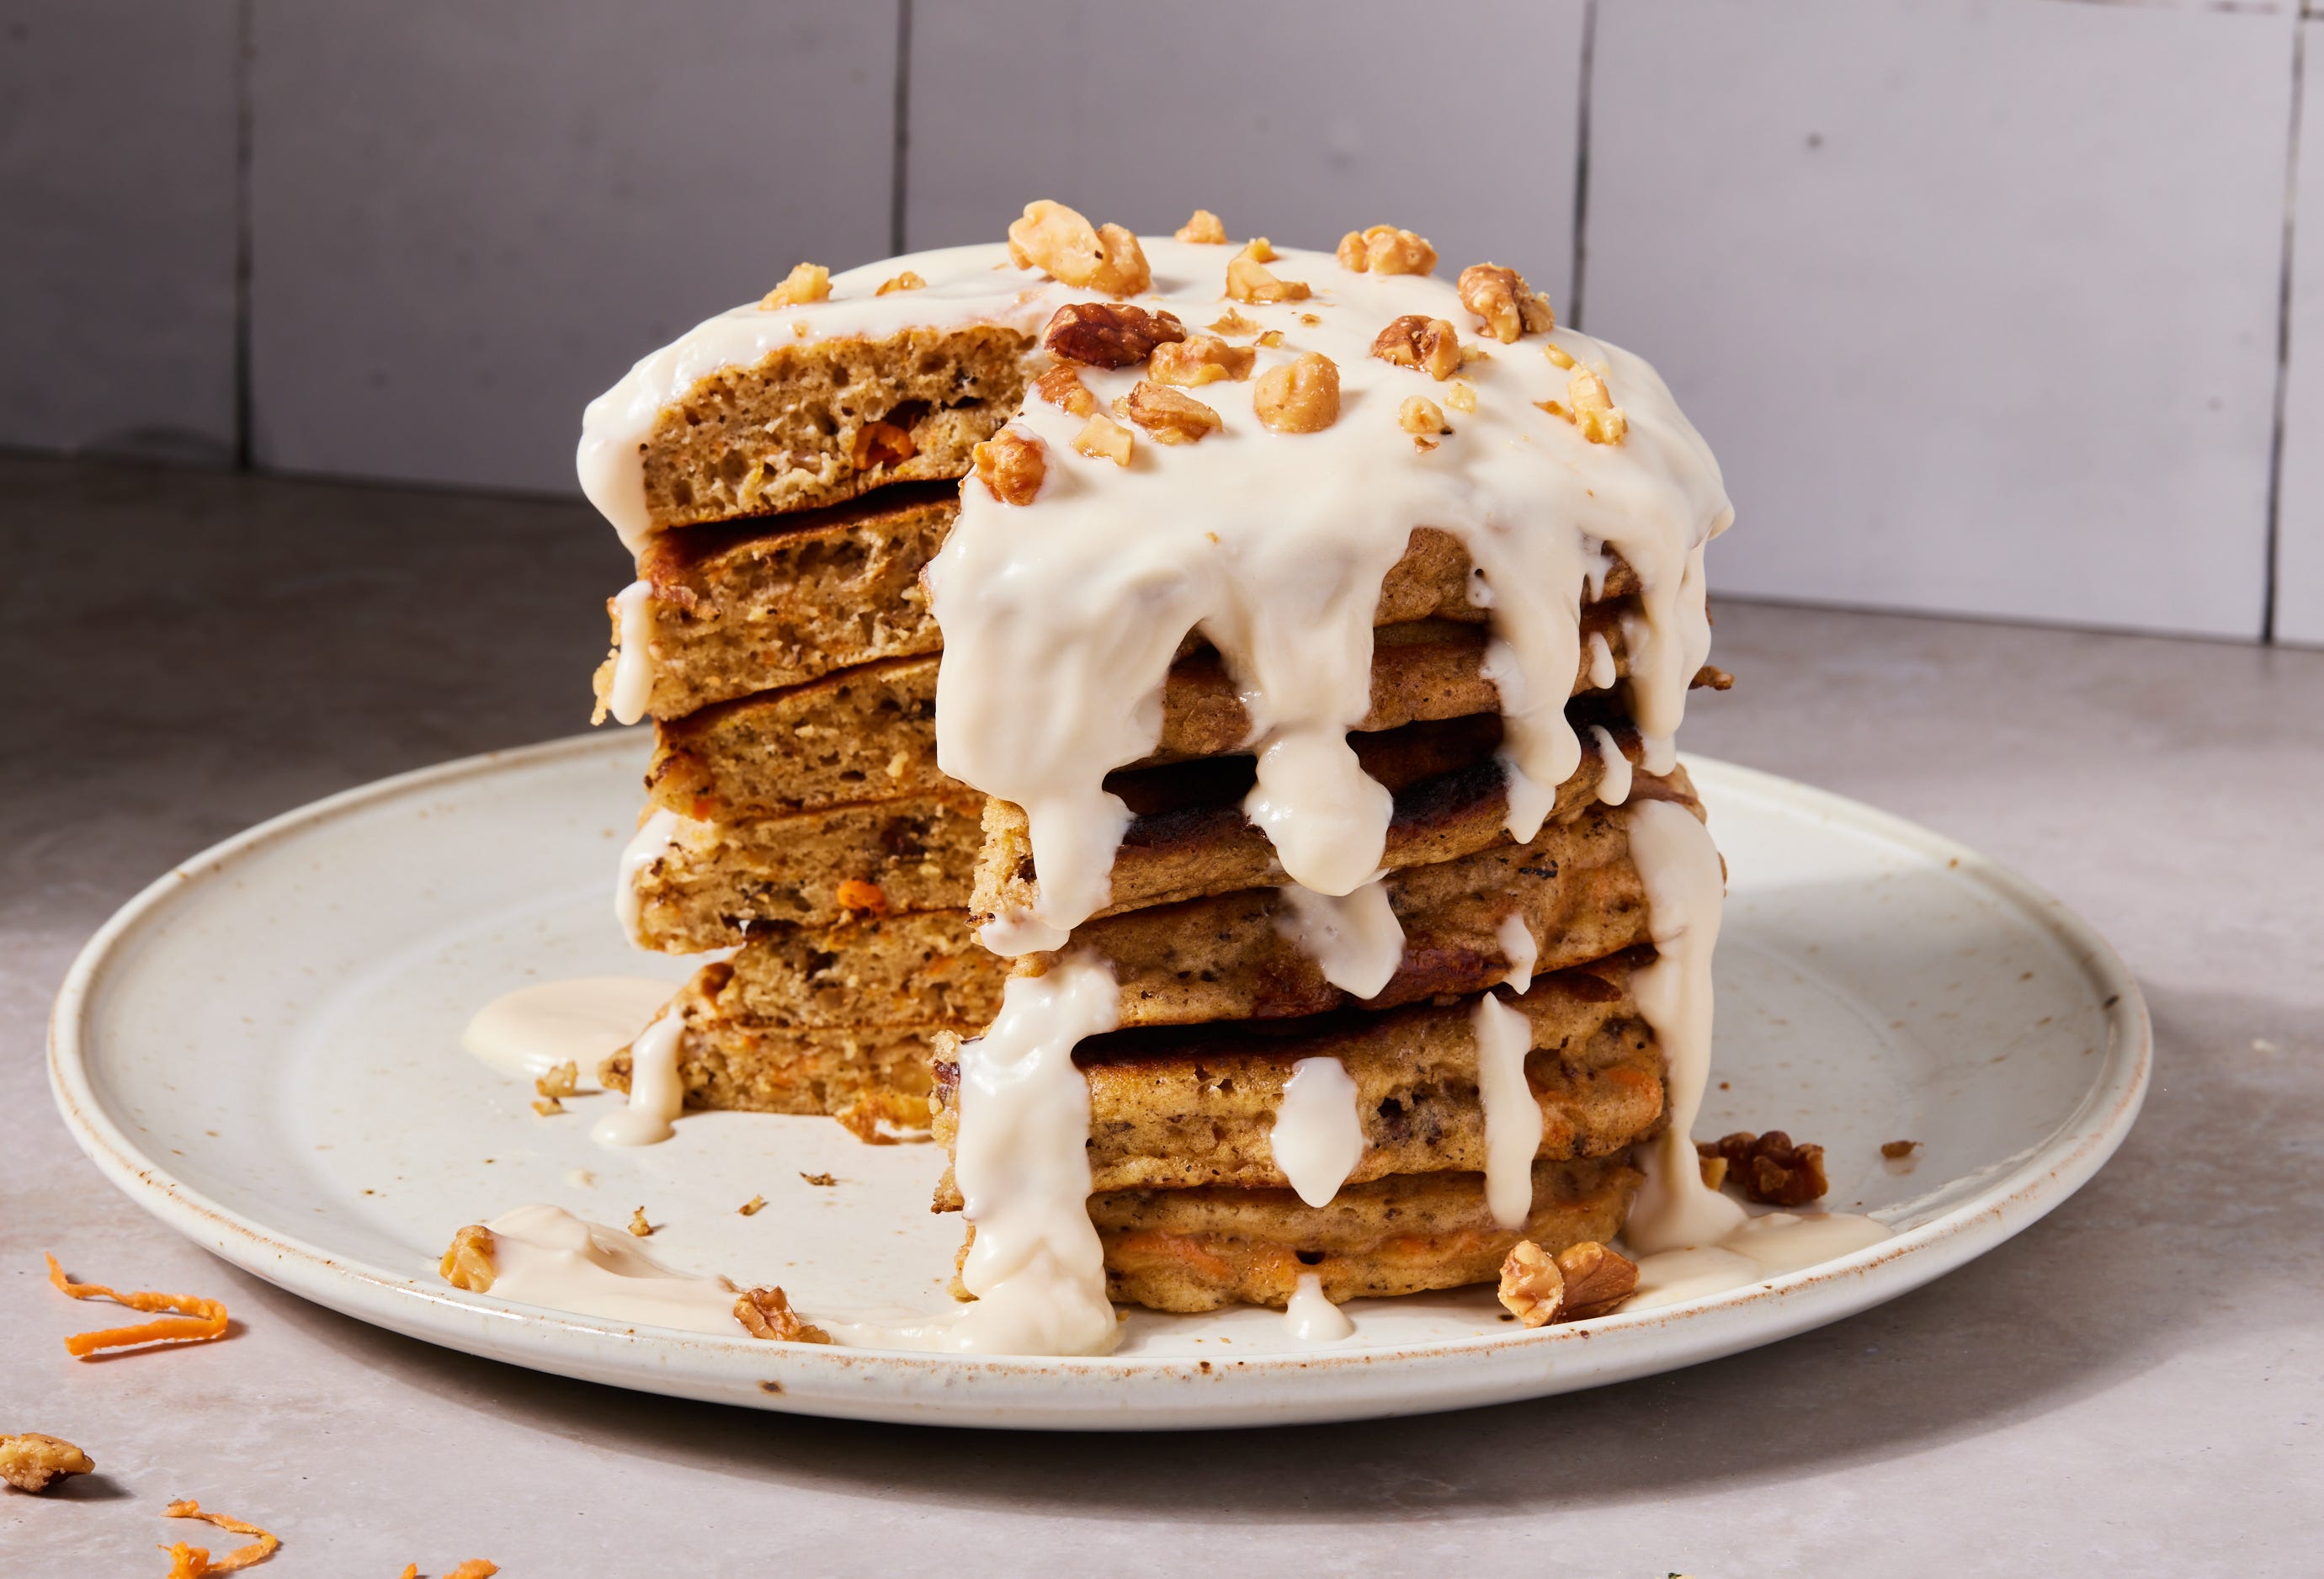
(823, 1180)
(547, 1107)
(1505, 305)
(1531, 1288)
(31, 1461)
(1259, 250)
(1461, 395)
(1602, 421)
(752, 1207)
(562, 1080)
(1424, 419)
(907, 280)
(1557, 354)
(1597, 1280)
(1062, 387)
(1204, 359)
(1232, 322)
(805, 282)
(1203, 229)
(1062, 245)
(1012, 465)
(1383, 249)
(1108, 334)
(1272, 338)
(1896, 1150)
(1299, 397)
(1714, 1170)
(1770, 1167)
(1426, 345)
(767, 1313)
(882, 444)
(638, 1223)
(1172, 417)
(1103, 438)
(468, 1263)
(1248, 280)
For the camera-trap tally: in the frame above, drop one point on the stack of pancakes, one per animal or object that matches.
(781, 639)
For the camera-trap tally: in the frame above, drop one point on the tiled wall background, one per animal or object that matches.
(1995, 307)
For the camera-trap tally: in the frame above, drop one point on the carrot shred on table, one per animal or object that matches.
(473, 1568)
(192, 1562)
(197, 1321)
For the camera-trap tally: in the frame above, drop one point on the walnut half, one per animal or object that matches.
(767, 1313)
(1427, 344)
(31, 1462)
(1106, 334)
(1011, 464)
(1383, 249)
(1582, 1281)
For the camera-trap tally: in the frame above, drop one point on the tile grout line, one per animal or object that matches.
(2283, 337)
(245, 53)
(900, 160)
(1581, 167)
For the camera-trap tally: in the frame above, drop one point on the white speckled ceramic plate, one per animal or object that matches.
(263, 1050)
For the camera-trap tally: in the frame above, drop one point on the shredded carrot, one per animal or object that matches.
(191, 1562)
(473, 1568)
(197, 1320)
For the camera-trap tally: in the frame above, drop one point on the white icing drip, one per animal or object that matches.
(1355, 939)
(634, 673)
(655, 837)
(1602, 673)
(1312, 1317)
(656, 1095)
(1679, 868)
(1512, 1115)
(1614, 785)
(1021, 1160)
(1667, 645)
(1318, 1136)
(1758, 1248)
(1515, 935)
(526, 1033)
(1274, 547)
(545, 1256)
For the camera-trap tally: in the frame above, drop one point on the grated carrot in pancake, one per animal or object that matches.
(192, 1562)
(197, 1321)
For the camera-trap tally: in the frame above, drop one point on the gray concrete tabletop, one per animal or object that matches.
(2130, 1387)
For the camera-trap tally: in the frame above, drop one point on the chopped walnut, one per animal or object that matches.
(638, 1223)
(562, 1080)
(1769, 1167)
(1461, 395)
(31, 1462)
(1062, 387)
(1383, 249)
(1248, 280)
(1062, 245)
(1106, 334)
(468, 1263)
(1714, 1170)
(1531, 1288)
(805, 282)
(1505, 305)
(907, 280)
(853, 893)
(1602, 421)
(1204, 359)
(1299, 397)
(1259, 250)
(1597, 1280)
(1711, 677)
(823, 1179)
(1232, 322)
(1427, 344)
(1896, 1150)
(1272, 338)
(753, 1206)
(767, 1313)
(1103, 438)
(882, 444)
(1203, 229)
(1012, 465)
(1424, 419)
(1557, 354)
(547, 1107)
(1172, 417)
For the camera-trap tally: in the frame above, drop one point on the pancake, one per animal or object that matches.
(1188, 1107)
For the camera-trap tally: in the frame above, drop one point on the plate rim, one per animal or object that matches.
(986, 1391)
